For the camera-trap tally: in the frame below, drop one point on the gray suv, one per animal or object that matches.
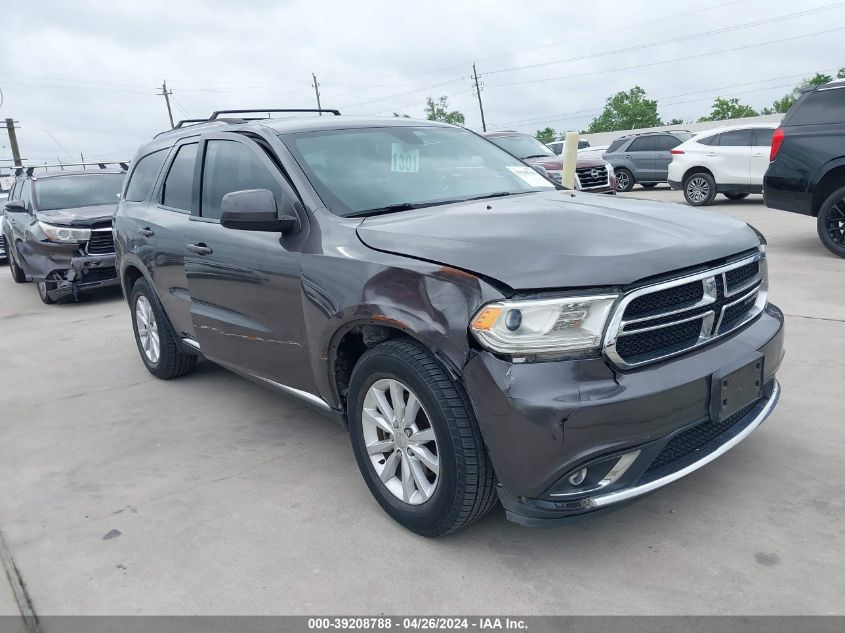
(482, 333)
(643, 158)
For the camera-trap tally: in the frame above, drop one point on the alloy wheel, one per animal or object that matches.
(400, 441)
(622, 180)
(147, 328)
(835, 224)
(698, 189)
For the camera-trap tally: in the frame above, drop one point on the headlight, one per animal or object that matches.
(64, 234)
(610, 172)
(543, 326)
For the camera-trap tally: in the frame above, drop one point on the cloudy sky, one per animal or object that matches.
(82, 76)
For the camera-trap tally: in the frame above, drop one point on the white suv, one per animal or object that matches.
(728, 160)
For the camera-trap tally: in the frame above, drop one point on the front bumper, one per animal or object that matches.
(543, 421)
(65, 269)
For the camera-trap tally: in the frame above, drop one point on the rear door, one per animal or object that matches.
(160, 196)
(761, 147)
(642, 154)
(732, 163)
(663, 155)
(246, 301)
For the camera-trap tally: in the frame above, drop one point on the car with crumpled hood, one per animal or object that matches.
(57, 227)
(483, 334)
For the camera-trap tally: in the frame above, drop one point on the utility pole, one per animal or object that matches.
(478, 94)
(166, 94)
(317, 90)
(13, 142)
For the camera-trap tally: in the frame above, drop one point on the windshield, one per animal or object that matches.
(523, 146)
(69, 192)
(356, 171)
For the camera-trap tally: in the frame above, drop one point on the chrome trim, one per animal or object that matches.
(616, 324)
(187, 340)
(302, 395)
(619, 468)
(742, 298)
(610, 498)
(664, 325)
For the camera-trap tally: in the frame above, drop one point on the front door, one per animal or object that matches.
(761, 147)
(734, 160)
(246, 302)
(642, 153)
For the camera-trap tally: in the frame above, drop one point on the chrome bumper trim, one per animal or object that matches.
(601, 501)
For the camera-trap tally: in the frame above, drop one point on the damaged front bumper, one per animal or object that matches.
(65, 269)
(577, 436)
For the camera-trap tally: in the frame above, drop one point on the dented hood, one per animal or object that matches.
(80, 216)
(560, 239)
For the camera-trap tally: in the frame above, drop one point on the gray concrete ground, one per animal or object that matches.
(123, 494)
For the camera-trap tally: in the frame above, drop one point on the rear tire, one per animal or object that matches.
(735, 195)
(699, 189)
(157, 342)
(18, 275)
(461, 489)
(624, 180)
(648, 185)
(831, 222)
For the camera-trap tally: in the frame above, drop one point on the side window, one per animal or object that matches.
(556, 147)
(143, 176)
(709, 140)
(736, 138)
(667, 142)
(178, 188)
(615, 145)
(232, 166)
(14, 194)
(26, 191)
(644, 144)
(763, 137)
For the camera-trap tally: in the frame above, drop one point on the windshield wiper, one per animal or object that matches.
(407, 206)
(537, 156)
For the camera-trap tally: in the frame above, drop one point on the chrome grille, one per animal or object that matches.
(101, 242)
(670, 318)
(590, 177)
(2, 243)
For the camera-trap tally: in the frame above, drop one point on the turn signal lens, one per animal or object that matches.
(486, 318)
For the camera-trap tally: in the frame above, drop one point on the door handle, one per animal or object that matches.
(200, 249)
(758, 155)
(710, 154)
(146, 231)
(628, 156)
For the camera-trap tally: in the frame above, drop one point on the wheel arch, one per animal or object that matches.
(695, 170)
(833, 179)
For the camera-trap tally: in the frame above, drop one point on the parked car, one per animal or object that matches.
(807, 170)
(643, 158)
(58, 229)
(3, 198)
(728, 160)
(594, 176)
(557, 146)
(596, 152)
(479, 331)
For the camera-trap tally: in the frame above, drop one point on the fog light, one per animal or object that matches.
(578, 478)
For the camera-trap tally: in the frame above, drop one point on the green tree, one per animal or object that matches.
(728, 109)
(546, 135)
(626, 111)
(676, 121)
(784, 103)
(439, 111)
(841, 73)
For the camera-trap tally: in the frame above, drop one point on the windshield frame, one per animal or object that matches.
(37, 182)
(326, 196)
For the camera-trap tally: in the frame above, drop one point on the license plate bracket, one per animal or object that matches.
(734, 388)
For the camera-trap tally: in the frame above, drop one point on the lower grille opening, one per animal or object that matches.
(693, 439)
(98, 274)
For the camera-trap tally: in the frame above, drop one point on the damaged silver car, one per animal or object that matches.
(57, 228)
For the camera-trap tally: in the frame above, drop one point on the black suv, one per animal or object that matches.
(58, 228)
(482, 333)
(644, 157)
(807, 169)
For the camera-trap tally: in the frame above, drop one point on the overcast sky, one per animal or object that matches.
(82, 76)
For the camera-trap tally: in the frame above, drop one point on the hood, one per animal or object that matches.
(560, 239)
(556, 162)
(80, 216)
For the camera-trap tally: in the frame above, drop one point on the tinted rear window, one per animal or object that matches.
(736, 138)
(179, 185)
(644, 144)
(819, 107)
(667, 142)
(143, 176)
(69, 192)
(762, 137)
(615, 145)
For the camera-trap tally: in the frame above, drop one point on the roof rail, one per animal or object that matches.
(216, 114)
(184, 122)
(124, 165)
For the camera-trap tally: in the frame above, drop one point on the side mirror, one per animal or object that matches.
(16, 205)
(254, 210)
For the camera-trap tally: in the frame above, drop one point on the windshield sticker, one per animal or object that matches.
(406, 162)
(529, 176)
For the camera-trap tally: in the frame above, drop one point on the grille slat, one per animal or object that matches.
(587, 179)
(101, 243)
(690, 312)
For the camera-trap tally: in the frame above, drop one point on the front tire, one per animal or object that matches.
(42, 293)
(157, 343)
(416, 440)
(624, 180)
(699, 189)
(736, 195)
(831, 222)
(18, 275)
